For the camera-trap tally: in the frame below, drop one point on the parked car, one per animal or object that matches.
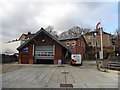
(76, 59)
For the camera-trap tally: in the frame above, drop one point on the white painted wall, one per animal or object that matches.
(10, 48)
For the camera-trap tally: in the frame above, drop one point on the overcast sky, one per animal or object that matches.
(21, 17)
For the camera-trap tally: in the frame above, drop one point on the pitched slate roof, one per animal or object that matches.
(42, 31)
(96, 31)
(31, 35)
(70, 37)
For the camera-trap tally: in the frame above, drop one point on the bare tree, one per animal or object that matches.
(74, 31)
(49, 29)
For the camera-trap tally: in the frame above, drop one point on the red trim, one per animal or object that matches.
(73, 62)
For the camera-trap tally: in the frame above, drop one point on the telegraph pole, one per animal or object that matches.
(101, 41)
(101, 52)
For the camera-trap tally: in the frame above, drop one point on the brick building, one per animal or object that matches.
(76, 43)
(42, 48)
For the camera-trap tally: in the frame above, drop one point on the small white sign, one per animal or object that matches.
(101, 55)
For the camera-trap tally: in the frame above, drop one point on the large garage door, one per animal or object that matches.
(44, 53)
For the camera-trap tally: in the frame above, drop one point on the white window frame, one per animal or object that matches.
(67, 43)
(73, 42)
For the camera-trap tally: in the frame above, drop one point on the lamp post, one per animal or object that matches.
(95, 45)
(118, 57)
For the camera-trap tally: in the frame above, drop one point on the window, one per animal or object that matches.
(89, 43)
(44, 51)
(67, 43)
(73, 42)
(88, 37)
(81, 43)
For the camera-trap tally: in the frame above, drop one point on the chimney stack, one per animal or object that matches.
(29, 33)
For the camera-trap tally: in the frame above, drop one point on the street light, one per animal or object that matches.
(95, 33)
(117, 54)
(118, 57)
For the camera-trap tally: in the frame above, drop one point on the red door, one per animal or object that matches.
(25, 59)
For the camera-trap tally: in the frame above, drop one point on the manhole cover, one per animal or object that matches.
(65, 72)
(93, 64)
(66, 85)
(61, 65)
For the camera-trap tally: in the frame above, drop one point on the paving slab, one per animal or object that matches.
(52, 76)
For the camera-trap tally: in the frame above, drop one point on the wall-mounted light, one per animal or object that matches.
(43, 40)
(95, 33)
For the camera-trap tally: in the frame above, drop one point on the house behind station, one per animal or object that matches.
(92, 39)
(76, 43)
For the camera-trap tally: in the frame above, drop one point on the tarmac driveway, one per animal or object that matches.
(52, 76)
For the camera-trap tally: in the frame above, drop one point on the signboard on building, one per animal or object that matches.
(25, 49)
(73, 47)
(101, 55)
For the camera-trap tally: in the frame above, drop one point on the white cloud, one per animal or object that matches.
(53, 12)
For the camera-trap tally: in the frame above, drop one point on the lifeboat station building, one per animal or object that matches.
(42, 48)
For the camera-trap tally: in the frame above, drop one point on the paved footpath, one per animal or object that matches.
(52, 76)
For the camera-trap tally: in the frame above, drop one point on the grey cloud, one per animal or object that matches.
(23, 17)
(76, 18)
(119, 15)
(19, 21)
